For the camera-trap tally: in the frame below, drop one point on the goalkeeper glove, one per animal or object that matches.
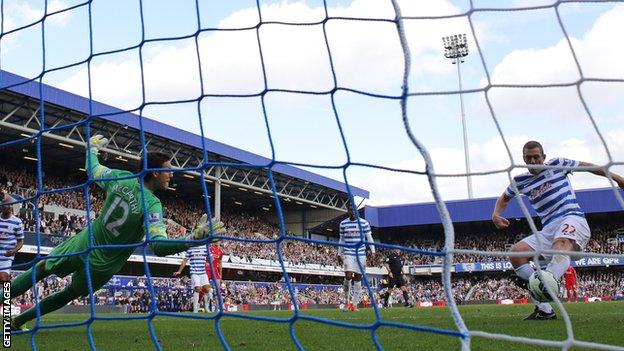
(97, 142)
(202, 230)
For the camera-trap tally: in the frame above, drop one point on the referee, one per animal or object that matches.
(394, 265)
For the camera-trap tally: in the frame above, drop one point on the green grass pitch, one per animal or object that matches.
(597, 322)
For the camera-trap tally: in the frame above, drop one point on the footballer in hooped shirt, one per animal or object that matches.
(564, 227)
(196, 257)
(354, 257)
(11, 237)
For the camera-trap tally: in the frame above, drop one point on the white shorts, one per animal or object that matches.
(570, 227)
(199, 280)
(350, 264)
(6, 266)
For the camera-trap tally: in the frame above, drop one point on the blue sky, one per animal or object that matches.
(518, 47)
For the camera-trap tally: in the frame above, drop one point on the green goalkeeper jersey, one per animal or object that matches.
(121, 220)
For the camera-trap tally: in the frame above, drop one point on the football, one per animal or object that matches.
(537, 286)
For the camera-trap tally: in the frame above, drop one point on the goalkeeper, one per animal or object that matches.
(121, 222)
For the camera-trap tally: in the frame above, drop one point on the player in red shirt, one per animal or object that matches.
(570, 283)
(216, 254)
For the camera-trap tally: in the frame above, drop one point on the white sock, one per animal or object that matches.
(357, 292)
(206, 302)
(346, 287)
(195, 302)
(524, 271)
(558, 265)
(543, 306)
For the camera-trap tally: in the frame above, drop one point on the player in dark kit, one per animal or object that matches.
(394, 265)
(122, 220)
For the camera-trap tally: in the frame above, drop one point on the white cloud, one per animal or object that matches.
(59, 19)
(530, 3)
(598, 58)
(367, 55)
(18, 14)
(537, 66)
(389, 188)
(384, 9)
(119, 82)
(22, 13)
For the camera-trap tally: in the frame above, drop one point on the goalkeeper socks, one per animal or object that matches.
(346, 289)
(558, 265)
(524, 271)
(47, 305)
(195, 301)
(357, 292)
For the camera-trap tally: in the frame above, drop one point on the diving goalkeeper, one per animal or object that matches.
(121, 221)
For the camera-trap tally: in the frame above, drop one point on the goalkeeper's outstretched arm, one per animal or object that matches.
(156, 229)
(165, 246)
(92, 163)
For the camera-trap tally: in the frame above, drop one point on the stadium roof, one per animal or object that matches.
(477, 210)
(68, 112)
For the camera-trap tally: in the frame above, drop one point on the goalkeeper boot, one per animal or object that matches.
(18, 330)
(540, 315)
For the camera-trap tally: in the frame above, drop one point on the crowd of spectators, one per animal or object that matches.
(601, 283)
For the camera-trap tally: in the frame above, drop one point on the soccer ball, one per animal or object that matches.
(537, 286)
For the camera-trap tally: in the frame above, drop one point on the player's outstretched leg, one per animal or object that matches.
(47, 305)
(77, 288)
(24, 281)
